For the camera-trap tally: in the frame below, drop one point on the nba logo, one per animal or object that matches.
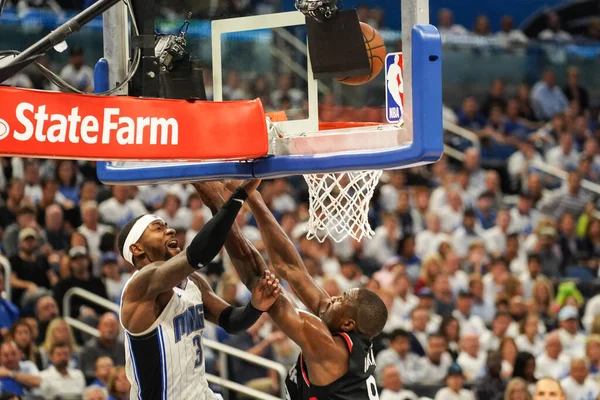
(394, 99)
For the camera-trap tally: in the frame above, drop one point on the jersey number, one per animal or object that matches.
(197, 341)
(372, 388)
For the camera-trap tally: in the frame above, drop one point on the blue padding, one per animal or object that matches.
(108, 173)
(101, 76)
(427, 145)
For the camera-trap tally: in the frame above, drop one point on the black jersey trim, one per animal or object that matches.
(150, 374)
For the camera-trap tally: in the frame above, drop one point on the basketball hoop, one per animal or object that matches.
(339, 205)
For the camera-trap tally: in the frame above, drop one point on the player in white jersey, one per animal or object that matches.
(165, 303)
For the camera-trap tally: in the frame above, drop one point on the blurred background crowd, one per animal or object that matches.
(488, 260)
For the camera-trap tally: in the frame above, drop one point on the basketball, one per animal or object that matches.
(376, 52)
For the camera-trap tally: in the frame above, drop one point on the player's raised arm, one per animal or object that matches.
(158, 277)
(306, 330)
(285, 258)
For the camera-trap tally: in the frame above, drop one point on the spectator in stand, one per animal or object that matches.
(92, 230)
(508, 36)
(514, 125)
(404, 301)
(568, 199)
(523, 99)
(553, 363)
(483, 306)
(579, 385)
(468, 323)
(59, 333)
(393, 383)
(495, 97)
(516, 390)
(454, 386)
(491, 340)
(553, 31)
(173, 213)
(565, 155)
(534, 188)
(495, 238)
(31, 273)
(442, 291)
(114, 280)
(15, 196)
(400, 356)
(471, 359)
(472, 163)
(523, 217)
(120, 209)
(592, 353)
(547, 99)
(492, 385)
(66, 176)
(592, 310)
(22, 335)
(383, 245)
(390, 192)
(108, 344)
(285, 89)
(81, 277)
(25, 219)
(469, 116)
(55, 233)
(46, 310)
(437, 361)
(482, 26)
(494, 280)
(76, 73)
(33, 190)
(572, 340)
(450, 329)
(118, 385)
(428, 241)
(418, 326)
(573, 89)
(525, 367)
(16, 376)
(459, 280)
(102, 371)
(446, 24)
(406, 256)
(94, 392)
(59, 380)
(548, 389)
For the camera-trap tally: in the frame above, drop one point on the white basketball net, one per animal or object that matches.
(339, 204)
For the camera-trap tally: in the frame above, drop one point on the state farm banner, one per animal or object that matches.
(59, 125)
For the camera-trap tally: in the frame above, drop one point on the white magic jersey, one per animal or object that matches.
(166, 362)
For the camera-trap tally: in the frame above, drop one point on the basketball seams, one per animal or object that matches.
(371, 54)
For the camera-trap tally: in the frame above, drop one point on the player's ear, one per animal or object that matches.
(348, 325)
(136, 250)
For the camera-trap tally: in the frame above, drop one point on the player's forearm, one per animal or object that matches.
(282, 252)
(285, 258)
(246, 260)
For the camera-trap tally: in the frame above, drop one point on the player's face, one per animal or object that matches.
(159, 242)
(336, 315)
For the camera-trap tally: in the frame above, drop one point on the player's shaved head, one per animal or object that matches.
(371, 313)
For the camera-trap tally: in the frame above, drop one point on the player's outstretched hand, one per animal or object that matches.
(265, 292)
(249, 185)
(321, 10)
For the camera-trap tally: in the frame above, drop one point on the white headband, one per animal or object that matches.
(136, 233)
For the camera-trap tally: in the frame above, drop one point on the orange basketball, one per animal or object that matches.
(375, 51)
